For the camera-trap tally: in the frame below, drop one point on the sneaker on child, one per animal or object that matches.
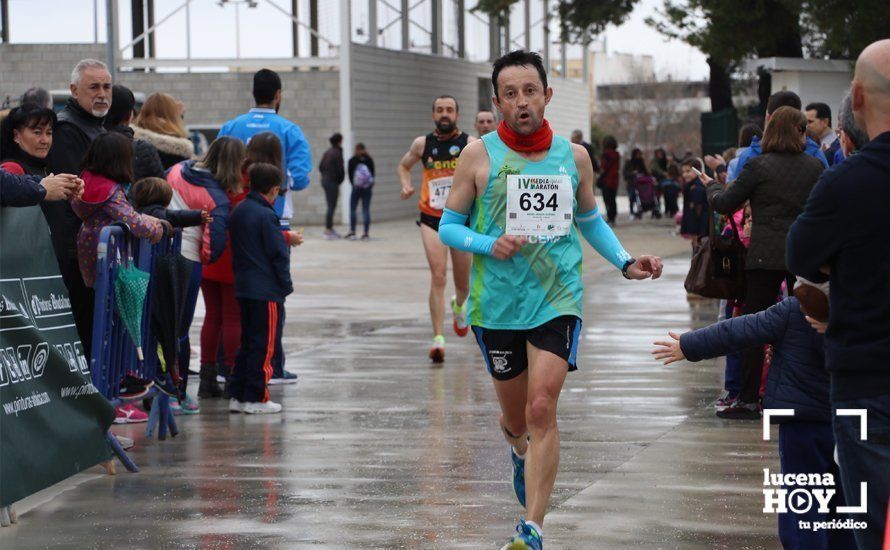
(132, 387)
(269, 407)
(129, 414)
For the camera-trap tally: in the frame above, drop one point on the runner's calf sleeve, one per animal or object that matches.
(601, 237)
(453, 232)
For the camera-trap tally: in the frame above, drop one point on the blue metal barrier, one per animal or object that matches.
(114, 354)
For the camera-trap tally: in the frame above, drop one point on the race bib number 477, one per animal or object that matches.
(539, 206)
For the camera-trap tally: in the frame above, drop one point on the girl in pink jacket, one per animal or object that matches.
(107, 167)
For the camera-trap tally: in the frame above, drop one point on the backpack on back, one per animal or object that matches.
(362, 178)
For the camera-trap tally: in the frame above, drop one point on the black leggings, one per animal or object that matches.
(331, 194)
(763, 287)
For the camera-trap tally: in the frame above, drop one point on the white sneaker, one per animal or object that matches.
(235, 406)
(269, 407)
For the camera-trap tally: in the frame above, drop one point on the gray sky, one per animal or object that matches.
(265, 32)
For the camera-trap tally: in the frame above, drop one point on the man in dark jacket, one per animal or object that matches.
(146, 160)
(798, 381)
(261, 263)
(79, 123)
(843, 230)
(332, 175)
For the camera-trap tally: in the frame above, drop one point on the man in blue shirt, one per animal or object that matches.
(295, 153)
(778, 99)
(265, 118)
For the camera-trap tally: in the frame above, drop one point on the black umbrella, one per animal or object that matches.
(171, 275)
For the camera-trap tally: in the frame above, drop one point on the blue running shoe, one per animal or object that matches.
(518, 477)
(526, 538)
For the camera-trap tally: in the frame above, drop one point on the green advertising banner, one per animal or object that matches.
(52, 420)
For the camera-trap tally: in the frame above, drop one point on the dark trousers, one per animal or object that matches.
(83, 303)
(363, 195)
(763, 287)
(331, 194)
(609, 196)
(808, 448)
(733, 373)
(671, 193)
(278, 358)
(261, 324)
(866, 461)
(188, 314)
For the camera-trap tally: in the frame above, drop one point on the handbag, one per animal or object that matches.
(718, 265)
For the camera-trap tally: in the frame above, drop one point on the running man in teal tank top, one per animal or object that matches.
(521, 200)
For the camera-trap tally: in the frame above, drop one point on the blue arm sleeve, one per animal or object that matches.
(453, 232)
(601, 237)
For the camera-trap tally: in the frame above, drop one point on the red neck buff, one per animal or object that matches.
(538, 141)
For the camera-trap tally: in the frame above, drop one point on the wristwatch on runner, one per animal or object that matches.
(627, 264)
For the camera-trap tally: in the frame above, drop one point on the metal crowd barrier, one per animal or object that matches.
(114, 354)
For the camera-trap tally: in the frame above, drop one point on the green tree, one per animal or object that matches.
(841, 30)
(728, 33)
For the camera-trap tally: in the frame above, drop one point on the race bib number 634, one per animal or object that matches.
(539, 206)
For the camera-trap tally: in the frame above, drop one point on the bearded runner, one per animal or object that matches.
(438, 152)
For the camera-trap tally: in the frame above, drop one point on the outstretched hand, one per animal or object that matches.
(669, 351)
(645, 267)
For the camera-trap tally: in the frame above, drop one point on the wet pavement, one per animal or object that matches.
(376, 449)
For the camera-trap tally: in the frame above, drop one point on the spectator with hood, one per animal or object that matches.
(160, 123)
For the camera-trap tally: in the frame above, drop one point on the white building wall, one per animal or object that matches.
(570, 108)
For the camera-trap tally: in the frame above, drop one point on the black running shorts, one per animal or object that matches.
(429, 221)
(505, 352)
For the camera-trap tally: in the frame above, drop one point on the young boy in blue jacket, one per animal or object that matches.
(797, 380)
(261, 263)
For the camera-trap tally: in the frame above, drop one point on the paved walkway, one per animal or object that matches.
(376, 449)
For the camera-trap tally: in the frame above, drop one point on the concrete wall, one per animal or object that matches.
(392, 96)
(309, 98)
(570, 107)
